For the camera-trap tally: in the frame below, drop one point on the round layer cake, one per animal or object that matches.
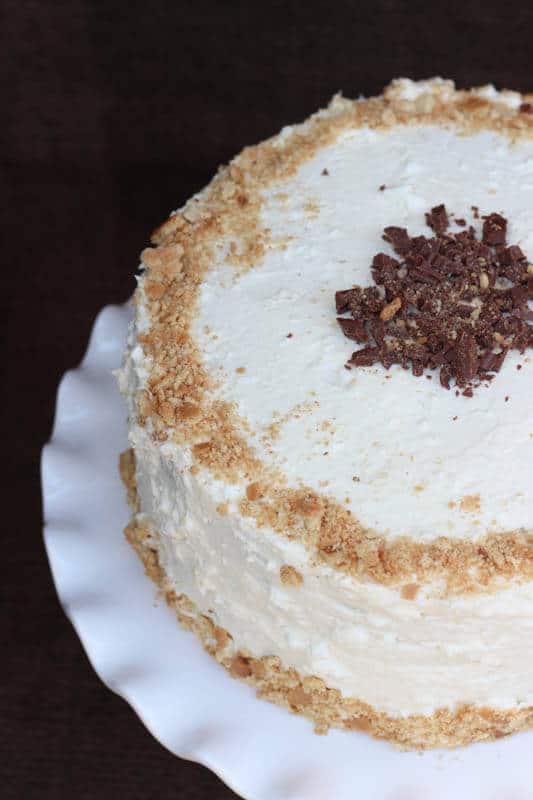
(329, 382)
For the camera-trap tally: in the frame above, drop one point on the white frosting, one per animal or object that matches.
(400, 656)
(393, 433)
(416, 448)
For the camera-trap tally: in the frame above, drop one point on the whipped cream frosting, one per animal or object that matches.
(400, 451)
(403, 451)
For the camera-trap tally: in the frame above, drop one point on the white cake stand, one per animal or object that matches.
(183, 697)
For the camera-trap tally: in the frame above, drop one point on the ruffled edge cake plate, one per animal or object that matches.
(191, 705)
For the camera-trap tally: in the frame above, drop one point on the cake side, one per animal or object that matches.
(401, 651)
(309, 694)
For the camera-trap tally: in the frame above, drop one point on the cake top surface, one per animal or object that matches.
(255, 381)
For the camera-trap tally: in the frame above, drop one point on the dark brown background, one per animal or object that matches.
(112, 114)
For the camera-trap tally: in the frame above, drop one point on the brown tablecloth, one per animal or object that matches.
(112, 114)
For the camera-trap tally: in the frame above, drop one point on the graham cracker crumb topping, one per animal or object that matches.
(470, 502)
(254, 491)
(290, 576)
(410, 591)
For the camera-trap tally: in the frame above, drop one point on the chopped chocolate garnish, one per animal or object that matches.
(353, 329)
(398, 238)
(289, 336)
(526, 108)
(492, 362)
(437, 219)
(382, 187)
(450, 303)
(342, 300)
(475, 211)
(494, 229)
(325, 171)
(511, 255)
(365, 357)
(465, 359)
(461, 222)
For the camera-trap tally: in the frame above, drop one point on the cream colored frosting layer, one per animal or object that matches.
(402, 451)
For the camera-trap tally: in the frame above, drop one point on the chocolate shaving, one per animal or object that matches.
(494, 229)
(450, 303)
(465, 357)
(399, 239)
(437, 219)
(353, 329)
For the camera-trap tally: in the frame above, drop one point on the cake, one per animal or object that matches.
(329, 381)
